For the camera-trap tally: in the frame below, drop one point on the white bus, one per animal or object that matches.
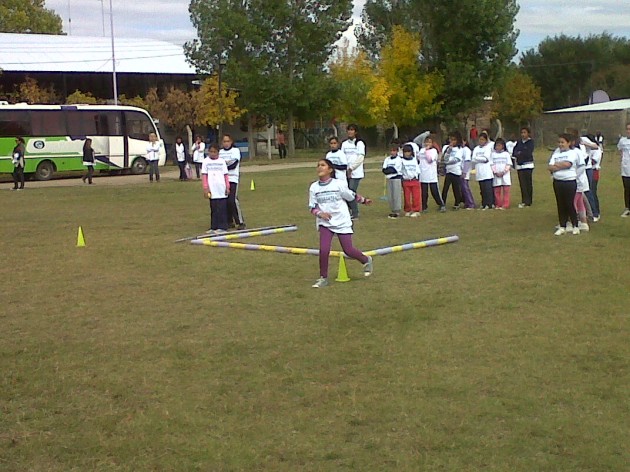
(55, 135)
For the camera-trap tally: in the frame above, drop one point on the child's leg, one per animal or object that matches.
(506, 196)
(457, 189)
(446, 187)
(408, 195)
(214, 214)
(325, 243)
(580, 208)
(497, 196)
(222, 213)
(390, 195)
(435, 193)
(397, 194)
(349, 249)
(467, 194)
(416, 196)
(425, 195)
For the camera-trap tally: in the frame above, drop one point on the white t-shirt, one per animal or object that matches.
(355, 153)
(215, 169)
(331, 197)
(580, 169)
(624, 146)
(428, 165)
(501, 161)
(482, 157)
(396, 163)
(338, 158)
(180, 152)
(231, 156)
(596, 158)
(454, 156)
(199, 150)
(509, 146)
(564, 156)
(153, 151)
(410, 168)
(468, 165)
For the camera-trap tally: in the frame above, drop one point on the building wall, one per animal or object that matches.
(611, 123)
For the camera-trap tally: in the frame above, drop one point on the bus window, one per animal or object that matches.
(114, 122)
(14, 123)
(81, 123)
(139, 125)
(48, 123)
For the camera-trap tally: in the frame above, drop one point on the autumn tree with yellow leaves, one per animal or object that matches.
(519, 100)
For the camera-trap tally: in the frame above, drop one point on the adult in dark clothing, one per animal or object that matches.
(88, 161)
(523, 154)
(18, 159)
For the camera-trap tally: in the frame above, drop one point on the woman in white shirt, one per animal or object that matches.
(180, 156)
(482, 158)
(153, 157)
(563, 168)
(198, 153)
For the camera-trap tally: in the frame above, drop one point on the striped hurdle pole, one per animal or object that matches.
(407, 247)
(246, 234)
(241, 231)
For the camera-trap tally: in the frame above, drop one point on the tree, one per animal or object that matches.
(566, 67)
(615, 80)
(518, 99)
(78, 97)
(210, 108)
(31, 92)
(471, 56)
(275, 50)
(28, 16)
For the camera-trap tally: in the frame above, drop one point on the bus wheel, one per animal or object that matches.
(45, 170)
(139, 166)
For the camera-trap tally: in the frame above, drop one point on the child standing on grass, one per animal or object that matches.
(17, 158)
(216, 188)
(582, 186)
(502, 181)
(453, 161)
(482, 157)
(392, 168)
(88, 161)
(624, 149)
(338, 158)
(562, 166)
(428, 161)
(328, 199)
(232, 157)
(198, 153)
(153, 157)
(469, 201)
(411, 182)
(596, 159)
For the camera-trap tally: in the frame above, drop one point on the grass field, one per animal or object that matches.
(507, 351)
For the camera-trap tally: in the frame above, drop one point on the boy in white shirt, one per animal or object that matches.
(216, 188)
(354, 150)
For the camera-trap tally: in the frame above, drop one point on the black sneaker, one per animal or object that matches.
(241, 226)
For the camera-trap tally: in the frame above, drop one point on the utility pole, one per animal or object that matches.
(111, 25)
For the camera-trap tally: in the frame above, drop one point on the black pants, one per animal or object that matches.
(353, 184)
(565, 194)
(219, 213)
(182, 170)
(89, 172)
(487, 193)
(282, 149)
(435, 193)
(18, 177)
(234, 215)
(527, 187)
(626, 190)
(457, 189)
(154, 169)
(198, 169)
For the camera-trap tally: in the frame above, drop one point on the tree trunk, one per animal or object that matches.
(251, 136)
(189, 133)
(335, 130)
(291, 136)
(395, 131)
(269, 138)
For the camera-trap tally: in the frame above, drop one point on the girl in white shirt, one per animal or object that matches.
(328, 199)
(453, 162)
(428, 161)
(562, 166)
(482, 158)
(180, 156)
(624, 149)
(198, 153)
(338, 158)
(501, 160)
(469, 201)
(153, 157)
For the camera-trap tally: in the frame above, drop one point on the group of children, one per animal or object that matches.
(413, 171)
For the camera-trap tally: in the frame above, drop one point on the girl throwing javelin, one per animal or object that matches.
(327, 202)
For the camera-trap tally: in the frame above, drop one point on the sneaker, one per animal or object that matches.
(576, 230)
(470, 208)
(442, 209)
(415, 214)
(583, 226)
(626, 213)
(596, 219)
(241, 226)
(320, 283)
(368, 267)
(456, 207)
(14, 188)
(522, 205)
(560, 231)
(408, 214)
(569, 226)
(392, 216)
(354, 217)
(499, 208)
(210, 231)
(484, 208)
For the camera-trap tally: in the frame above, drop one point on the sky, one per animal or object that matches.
(169, 20)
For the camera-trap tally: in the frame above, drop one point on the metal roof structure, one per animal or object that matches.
(87, 54)
(614, 105)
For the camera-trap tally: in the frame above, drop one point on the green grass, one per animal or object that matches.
(507, 351)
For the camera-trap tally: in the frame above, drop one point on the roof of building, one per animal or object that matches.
(613, 105)
(58, 53)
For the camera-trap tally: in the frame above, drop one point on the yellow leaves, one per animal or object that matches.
(78, 97)
(519, 99)
(211, 109)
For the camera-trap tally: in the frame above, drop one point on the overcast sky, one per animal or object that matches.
(169, 19)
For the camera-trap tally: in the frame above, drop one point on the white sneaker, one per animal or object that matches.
(560, 231)
(583, 226)
(522, 205)
(415, 214)
(626, 213)
(368, 267)
(408, 214)
(569, 226)
(576, 230)
(596, 219)
(320, 283)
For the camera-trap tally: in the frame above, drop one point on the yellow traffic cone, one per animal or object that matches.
(342, 273)
(252, 186)
(80, 238)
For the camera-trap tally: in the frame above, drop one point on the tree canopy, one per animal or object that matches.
(28, 16)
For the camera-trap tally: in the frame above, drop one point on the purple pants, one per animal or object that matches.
(469, 201)
(325, 244)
